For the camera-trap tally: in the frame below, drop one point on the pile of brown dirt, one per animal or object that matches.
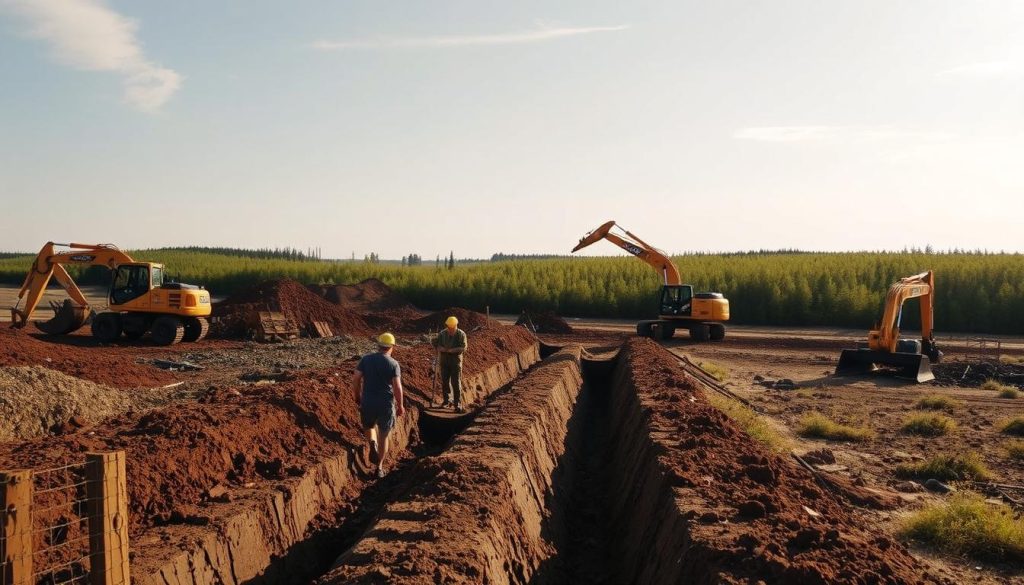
(238, 316)
(231, 437)
(747, 514)
(84, 357)
(468, 320)
(544, 322)
(367, 296)
(35, 401)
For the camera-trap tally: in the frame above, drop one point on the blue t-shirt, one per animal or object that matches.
(378, 370)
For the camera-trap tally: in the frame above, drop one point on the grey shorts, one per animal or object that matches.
(380, 415)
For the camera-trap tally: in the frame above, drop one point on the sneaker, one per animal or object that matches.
(458, 408)
(373, 453)
(380, 473)
(446, 404)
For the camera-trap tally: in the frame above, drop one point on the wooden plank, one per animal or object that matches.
(107, 490)
(16, 527)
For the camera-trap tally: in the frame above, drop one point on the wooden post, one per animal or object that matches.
(107, 491)
(16, 527)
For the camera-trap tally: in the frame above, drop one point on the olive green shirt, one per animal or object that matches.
(456, 341)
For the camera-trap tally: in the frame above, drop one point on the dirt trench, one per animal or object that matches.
(631, 477)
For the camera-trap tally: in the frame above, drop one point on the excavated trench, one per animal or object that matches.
(578, 469)
(615, 470)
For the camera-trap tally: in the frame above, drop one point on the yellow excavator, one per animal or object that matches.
(140, 301)
(704, 314)
(913, 358)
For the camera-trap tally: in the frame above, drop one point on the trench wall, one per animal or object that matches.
(476, 512)
(246, 535)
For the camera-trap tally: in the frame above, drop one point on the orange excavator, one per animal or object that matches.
(704, 314)
(884, 346)
(140, 301)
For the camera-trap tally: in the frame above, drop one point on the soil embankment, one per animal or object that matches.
(684, 496)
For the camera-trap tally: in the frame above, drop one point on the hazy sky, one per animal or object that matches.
(480, 126)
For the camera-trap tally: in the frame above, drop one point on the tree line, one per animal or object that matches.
(975, 291)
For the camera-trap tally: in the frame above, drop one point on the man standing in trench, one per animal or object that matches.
(451, 344)
(377, 386)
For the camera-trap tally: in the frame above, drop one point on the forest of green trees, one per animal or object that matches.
(976, 292)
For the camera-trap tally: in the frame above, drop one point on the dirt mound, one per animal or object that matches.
(544, 322)
(238, 316)
(752, 516)
(367, 296)
(83, 357)
(232, 437)
(468, 320)
(35, 401)
(974, 374)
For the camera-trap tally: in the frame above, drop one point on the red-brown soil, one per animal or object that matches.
(238, 316)
(544, 322)
(368, 296)
(745, 508)
(82, 356)
(468, 320)
(234, 436)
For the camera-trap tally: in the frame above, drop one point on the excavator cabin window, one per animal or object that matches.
(676, 300)
(131, 281)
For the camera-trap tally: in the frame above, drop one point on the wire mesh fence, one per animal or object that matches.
(65, 524)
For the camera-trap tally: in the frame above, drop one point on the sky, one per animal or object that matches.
(477, 126)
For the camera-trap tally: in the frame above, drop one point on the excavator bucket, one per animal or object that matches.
(913, 366)
(595, 235)
(67, 317)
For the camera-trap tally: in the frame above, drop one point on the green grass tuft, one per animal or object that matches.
(1013, 426)
(755, 425)
(817, 425)
(967, 525)
(928, 425)
(938, 402)
(946, 468)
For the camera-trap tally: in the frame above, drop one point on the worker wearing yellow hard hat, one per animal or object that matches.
(451, 343)
(377, 386)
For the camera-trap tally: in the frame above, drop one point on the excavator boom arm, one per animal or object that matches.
(918, 286)
(635, 246)
(50, 264)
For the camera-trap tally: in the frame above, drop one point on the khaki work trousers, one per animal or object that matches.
(451, 383)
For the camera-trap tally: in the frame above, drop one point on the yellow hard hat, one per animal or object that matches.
(386, 340)
(451, 321)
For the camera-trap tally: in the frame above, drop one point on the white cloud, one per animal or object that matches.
(835, 134)
(515, 38)
(984, 70)
(88, 35)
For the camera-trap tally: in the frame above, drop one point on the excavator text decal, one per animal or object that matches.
(82, 258)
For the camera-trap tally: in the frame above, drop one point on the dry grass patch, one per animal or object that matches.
(967, 525)
(1013, 426)
(938, 402)
(716, 371)
(754, 424)
(946, 468)
(1009, 393)
(928, 425)
(996, 386)
(1015, 449)
(1011, 359)
(817, 425)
